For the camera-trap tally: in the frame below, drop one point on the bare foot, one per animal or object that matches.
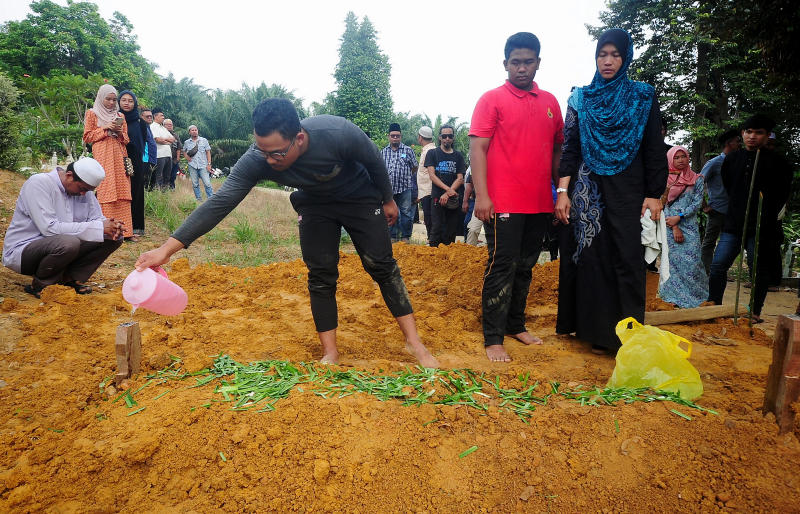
(423, 355)
(330, 358)
(497, 353)
(526, 338)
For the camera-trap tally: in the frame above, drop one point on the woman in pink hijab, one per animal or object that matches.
(687, 285)
(106, 130)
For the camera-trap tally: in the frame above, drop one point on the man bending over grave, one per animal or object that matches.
(342, 182)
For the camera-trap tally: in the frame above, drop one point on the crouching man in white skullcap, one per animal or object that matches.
(58, 234)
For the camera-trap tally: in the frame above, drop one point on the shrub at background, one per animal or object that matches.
(10, 124)
(225, 152)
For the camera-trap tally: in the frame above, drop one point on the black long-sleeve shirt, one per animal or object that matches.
(650, 161)
(773, 179)
(341, 164)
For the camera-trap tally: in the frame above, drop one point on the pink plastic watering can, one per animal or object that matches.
(154, 291)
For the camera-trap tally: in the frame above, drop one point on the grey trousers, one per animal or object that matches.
(161, 174)
(58, 259)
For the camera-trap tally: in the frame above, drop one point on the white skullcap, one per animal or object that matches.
(90, 171)
(425, 132)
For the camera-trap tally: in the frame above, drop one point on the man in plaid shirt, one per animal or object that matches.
(401, 164)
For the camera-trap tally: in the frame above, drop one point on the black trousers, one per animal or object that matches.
(445, 223)
(141, 174)
(58, 259)
(514, 243)
(320, 233)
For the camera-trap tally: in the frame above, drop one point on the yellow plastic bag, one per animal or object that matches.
(651, 357)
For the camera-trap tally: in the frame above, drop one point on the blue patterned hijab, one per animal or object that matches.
(612, 113)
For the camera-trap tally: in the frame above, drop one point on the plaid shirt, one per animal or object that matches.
(400, 164)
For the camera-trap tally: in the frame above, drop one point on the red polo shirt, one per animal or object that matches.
(523, 127)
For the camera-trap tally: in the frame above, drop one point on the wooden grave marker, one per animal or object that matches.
(783, 380)
(128, 349)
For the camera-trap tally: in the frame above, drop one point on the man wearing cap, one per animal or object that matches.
(58, 234)
(400, 160)
(198, 152)
(425, 139)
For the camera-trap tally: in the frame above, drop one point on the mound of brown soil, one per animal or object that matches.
(68, 447)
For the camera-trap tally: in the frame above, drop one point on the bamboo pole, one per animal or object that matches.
(744, 238)
(754, 271)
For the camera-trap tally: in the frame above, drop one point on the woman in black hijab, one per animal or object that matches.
(140, 152)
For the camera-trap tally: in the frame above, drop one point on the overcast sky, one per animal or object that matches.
(443, 56)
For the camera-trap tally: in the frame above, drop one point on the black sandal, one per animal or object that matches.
(79, 288)
(33, 291)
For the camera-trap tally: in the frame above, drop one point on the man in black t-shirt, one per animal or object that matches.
(446, 167)
(342, 183)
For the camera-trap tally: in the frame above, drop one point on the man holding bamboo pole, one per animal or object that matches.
(747, 174)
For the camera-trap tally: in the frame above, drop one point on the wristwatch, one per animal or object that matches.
(561, 190)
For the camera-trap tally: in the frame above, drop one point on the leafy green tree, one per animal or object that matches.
(181, 100)
(713, 63)
(324, 107)
(10, 124)
(253, 95)
(362, 79)
(56, 108)
(218, 114)
(74, 39)
(409, 125)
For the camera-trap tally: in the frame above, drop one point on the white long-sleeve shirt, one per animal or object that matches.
(654, 239)
(45, 209)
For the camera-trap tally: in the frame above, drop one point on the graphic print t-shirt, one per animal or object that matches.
(447, 166)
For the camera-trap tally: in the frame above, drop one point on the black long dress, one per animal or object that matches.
(602, 271)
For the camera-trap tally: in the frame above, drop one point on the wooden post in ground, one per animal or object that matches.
(128, 348)
(783, 380)
(695, 314)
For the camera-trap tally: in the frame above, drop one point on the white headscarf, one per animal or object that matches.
(104, 116)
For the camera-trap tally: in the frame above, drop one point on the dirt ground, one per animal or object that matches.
(68, 448)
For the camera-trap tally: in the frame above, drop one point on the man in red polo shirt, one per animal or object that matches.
(515, 146)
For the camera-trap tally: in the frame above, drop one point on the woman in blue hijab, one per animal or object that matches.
(613, 170)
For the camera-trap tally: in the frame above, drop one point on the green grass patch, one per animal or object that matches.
(217, 235)
(245, 232)
(247, 256)
(270, 185)
(166, 209)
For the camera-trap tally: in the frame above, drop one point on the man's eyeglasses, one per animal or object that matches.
(446, 136)
(395, 136)
(277, 155)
